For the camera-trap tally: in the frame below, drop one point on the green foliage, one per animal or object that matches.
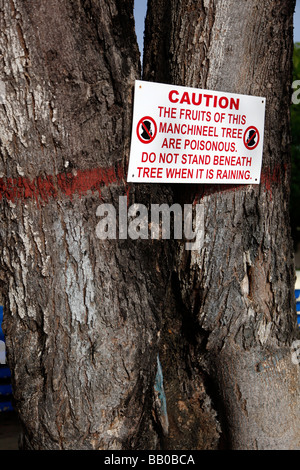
(295, 179)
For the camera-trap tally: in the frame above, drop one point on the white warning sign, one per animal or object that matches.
(188, 135)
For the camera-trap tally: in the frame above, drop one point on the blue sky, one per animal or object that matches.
(140, 7)
(140, 12)
(297, 22)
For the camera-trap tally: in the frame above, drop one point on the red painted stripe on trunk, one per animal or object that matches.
(43, 188)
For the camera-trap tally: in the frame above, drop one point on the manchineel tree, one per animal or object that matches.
(86, 319)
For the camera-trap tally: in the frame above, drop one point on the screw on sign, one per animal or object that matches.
(146, 130)
(251, 138)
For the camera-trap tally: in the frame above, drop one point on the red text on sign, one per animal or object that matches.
(150, 172)
(167, 112)
(171, 144)
(197, 99)
(232, 133)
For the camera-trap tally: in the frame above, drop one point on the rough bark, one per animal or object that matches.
(81, 314)
(235, 298)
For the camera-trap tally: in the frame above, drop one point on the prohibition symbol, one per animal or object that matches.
(146, 130)
(251, 138)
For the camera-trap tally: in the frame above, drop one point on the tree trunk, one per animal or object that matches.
(81, 314)
(86, 318)
(234, 299)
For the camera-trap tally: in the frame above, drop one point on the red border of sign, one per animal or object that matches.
(246, 133)
(149, 118)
